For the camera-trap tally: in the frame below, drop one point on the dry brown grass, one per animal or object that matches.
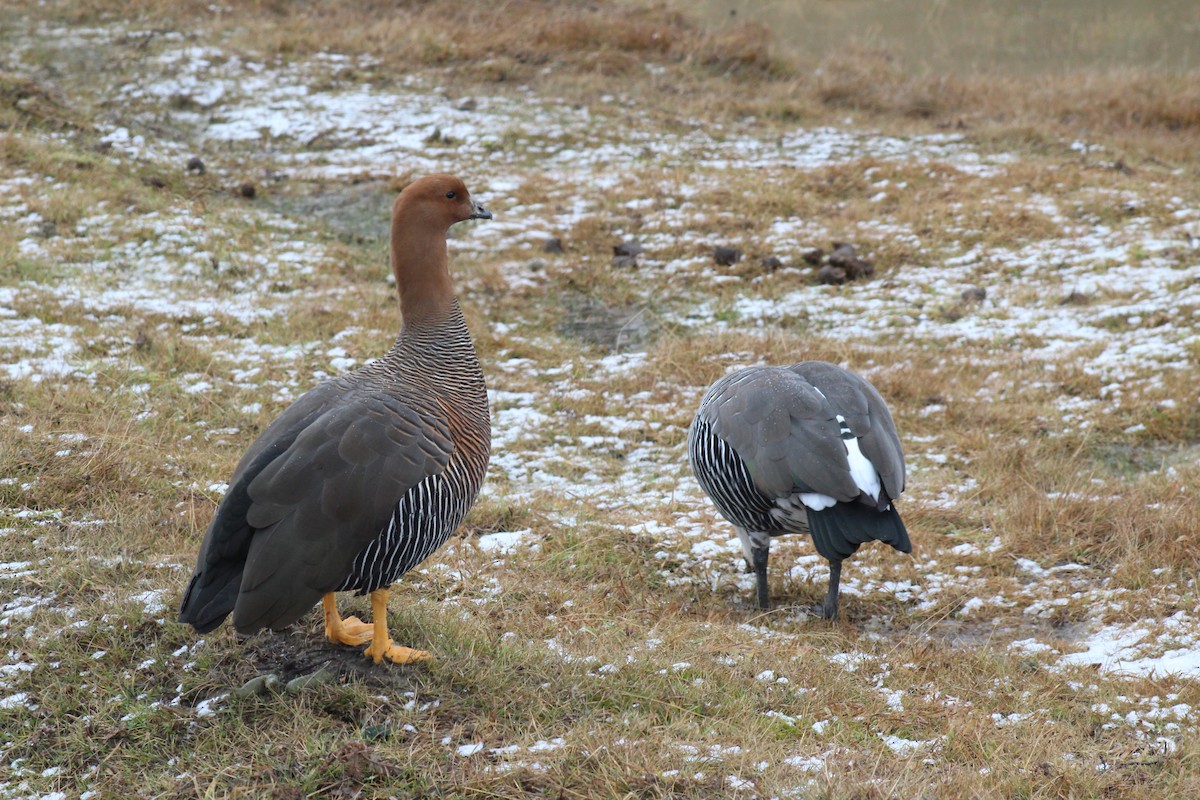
(1142, 112)
(579, 47)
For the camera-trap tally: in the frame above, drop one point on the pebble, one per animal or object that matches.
(830, 274)
(726, 256)
(625, 254)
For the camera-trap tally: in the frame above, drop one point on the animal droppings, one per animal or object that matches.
(726, 256)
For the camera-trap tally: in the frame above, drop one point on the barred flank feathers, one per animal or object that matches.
(430, 512)
(724, 477)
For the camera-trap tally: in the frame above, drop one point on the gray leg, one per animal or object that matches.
(760, 555)
(830, 609)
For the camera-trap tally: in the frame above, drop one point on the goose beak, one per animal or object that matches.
(480, 212)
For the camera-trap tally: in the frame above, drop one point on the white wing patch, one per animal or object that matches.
(865, 476)
(815, 500)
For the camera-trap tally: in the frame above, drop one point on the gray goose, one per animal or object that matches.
(367, 474)
(809, 448)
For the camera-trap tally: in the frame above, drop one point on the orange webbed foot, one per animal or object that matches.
(351, 630)
(382, 645)
(397, 654)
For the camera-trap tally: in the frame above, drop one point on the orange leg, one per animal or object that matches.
(351, 630)
(382, 645)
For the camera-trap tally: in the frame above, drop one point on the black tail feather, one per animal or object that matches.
(210, 598)
(838, 531)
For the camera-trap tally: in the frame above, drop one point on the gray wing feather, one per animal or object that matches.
(283, 430)
(330, 493)
(867, 414)
(782, 423)
(213, 590)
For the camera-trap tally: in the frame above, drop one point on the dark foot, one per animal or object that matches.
(760, 555)
(829, 610)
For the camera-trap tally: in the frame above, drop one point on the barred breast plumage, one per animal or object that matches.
(432, 509)
(366, 475)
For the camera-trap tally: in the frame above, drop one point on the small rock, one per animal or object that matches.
(954, 313)
(48, 229)
(194, 164)
(831, 275)
(625, 254)
(552, 245)
(322, 676)
(844, 257)
(771, 263)
(813, 257)
(467, 104)
(974, 294)
(247, 190)
(726, 256)
(843, 253)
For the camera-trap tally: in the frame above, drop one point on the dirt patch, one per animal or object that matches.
(294, 654)
(359, 213)
(1133, 459)
(958, 634)
(617, 329)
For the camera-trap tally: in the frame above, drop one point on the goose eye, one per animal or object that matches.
(451, 195)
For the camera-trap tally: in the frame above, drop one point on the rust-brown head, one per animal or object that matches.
(437, 202)
(422, 215)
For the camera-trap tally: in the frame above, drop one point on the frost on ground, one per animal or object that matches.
(119, 275)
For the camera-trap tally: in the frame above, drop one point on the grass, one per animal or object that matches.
(154, 320)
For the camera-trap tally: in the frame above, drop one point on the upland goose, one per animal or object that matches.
(809, 448)
(366, 475)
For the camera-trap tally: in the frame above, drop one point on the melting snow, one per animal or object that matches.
(169, 272)
(905, 747)
(502, 542)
